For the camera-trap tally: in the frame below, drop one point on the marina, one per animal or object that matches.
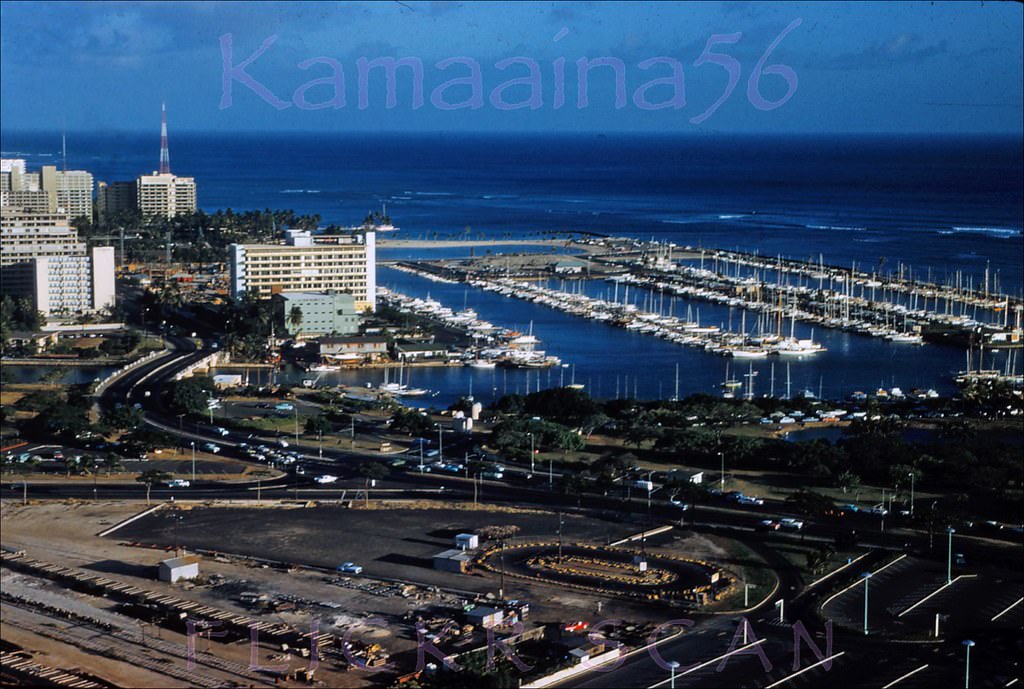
(611, 361)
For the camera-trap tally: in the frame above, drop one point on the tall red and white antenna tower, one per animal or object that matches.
(165, 154)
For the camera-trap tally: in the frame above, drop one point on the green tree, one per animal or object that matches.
(319, 424)
(848, 481)
(122, 418)
(191, 395)
(810, 504)
(151, 476)
(574, 484)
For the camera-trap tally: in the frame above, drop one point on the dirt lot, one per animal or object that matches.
(392, 542)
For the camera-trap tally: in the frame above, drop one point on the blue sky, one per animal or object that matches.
(856, 67)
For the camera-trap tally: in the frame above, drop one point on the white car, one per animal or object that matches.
(326, 478)
(749, 500)
(178, 483)
(790, 523)
(350, 568)
(212, 447)
(221, 430)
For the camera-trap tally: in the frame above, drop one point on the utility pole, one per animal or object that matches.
(560, 521)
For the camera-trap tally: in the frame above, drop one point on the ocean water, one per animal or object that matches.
(935, 205)
(939, 203)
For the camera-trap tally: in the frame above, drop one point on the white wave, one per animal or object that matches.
(1004, 232)
(838, 228)
(434, 193)
(292, 191)
(732, 217)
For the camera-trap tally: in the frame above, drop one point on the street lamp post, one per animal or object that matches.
(673, 665)
(949, 558)
(721, 475)
(531, 453)
(911, 475)
(193, 443)
(968, 644)
(867, 577)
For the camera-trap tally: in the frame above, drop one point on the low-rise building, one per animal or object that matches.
(354, 347)
(568, 268)
(177, 568)
(33, 343)
(467, 541)
(420, 351)
(452, 560)
(320, 313)
(485, 617)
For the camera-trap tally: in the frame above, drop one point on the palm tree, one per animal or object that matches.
(295, 319)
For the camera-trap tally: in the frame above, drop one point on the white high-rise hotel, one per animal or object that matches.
(336, 263)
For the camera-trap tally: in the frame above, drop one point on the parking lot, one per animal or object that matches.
(397, 543)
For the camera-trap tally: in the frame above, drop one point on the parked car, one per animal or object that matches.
(350, 568)
(284, 406)
(791, 523)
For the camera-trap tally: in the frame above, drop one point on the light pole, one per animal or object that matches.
(746, 593)
(949, 559)
(296, 408)
(867, 577)
(721, 475)
(193, 444)
(673, 665)
(911, 475)
(967, 670)
(531, 453)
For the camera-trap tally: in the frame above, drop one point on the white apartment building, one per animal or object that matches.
(336, 263)
(69, 190)
(41, 257)
(50, 189)
(166, 194)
